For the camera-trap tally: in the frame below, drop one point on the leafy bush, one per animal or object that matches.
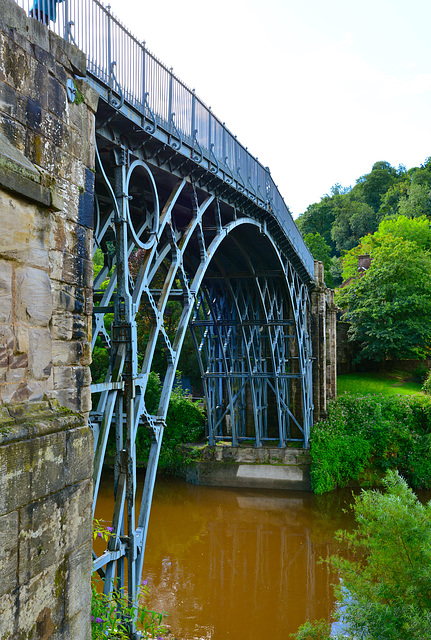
(384, 589)
(366, 435)
(316, 630)
(106, 619)
(426, 388)
(107, 623)
(185, 422)
(420, 373)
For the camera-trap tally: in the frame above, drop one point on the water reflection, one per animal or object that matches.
(237, 563)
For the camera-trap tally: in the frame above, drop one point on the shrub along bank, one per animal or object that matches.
(364, 436)
(185, 423)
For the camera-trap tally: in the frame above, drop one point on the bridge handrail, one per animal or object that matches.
(125, 65)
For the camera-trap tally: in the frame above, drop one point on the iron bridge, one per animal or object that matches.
(187, 220)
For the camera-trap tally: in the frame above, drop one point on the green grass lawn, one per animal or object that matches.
(386, 383)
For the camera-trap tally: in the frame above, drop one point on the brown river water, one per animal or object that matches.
(237, 563)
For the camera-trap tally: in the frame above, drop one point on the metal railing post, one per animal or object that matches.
(193, 128)
(144, 80)
(170, 96)
(108, 13)
(66, 34)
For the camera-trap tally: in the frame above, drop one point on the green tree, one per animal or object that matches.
(371, 187)
(389, 307)
(320, 251)
(353, 220)
(385, 590)
(387, 593)
(417, 230)
(390, 200)
(416, 202)
(318, 218)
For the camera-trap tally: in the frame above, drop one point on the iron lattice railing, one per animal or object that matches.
(123, 64)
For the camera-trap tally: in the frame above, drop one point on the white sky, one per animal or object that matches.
(317, 90)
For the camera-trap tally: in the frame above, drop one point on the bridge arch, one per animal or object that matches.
(167, 238)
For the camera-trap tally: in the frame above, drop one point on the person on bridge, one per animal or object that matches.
(44, 10)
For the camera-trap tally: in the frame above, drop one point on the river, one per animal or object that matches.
(237, 563)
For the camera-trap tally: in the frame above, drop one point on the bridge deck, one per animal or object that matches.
(137, 85)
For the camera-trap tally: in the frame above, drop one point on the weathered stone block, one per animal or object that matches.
(67, 54)
(5, 292)
(41, 605)
(79, 455)
(8, 99)
(68, 298)
(78, 589)
(7, 342)
(39, 80)
(85, 403)
(14, 376)
(14, 392)
(31, 390)
(9, 615)
(17, 240)
(86, 354)
(15, 472)
(34, 300)
(12, 131)
(8, 552)
(76, 505)
(61, 326)
(66, 353)
(48, 475)
(40, 353)
(80, 328)
(77, 627)
(63, 377)
(40, 537)
(31, 469)
(22, 342)
(77, 270)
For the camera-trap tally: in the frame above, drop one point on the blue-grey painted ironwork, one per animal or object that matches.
(233, 285)
(208, 233)
(137, 82)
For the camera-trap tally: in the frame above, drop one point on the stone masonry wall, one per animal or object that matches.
(46, 204)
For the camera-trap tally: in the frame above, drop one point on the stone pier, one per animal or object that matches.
(324, 343)
(259, 468)
(46, 200)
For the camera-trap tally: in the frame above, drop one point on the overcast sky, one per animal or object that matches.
(317, 90)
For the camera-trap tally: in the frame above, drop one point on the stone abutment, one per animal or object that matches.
(46, 204)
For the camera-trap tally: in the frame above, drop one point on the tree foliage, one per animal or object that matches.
(346, 215)
(384, 592)
(364, 436)
(321, 251)
(389, 306)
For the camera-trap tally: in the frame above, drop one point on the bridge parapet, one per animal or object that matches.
(134, 82)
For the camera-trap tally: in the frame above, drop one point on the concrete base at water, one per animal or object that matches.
(265, 468)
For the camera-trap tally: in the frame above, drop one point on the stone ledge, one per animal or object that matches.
(287, 477)
(30, 420)
(19, 175)
(267, 455)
